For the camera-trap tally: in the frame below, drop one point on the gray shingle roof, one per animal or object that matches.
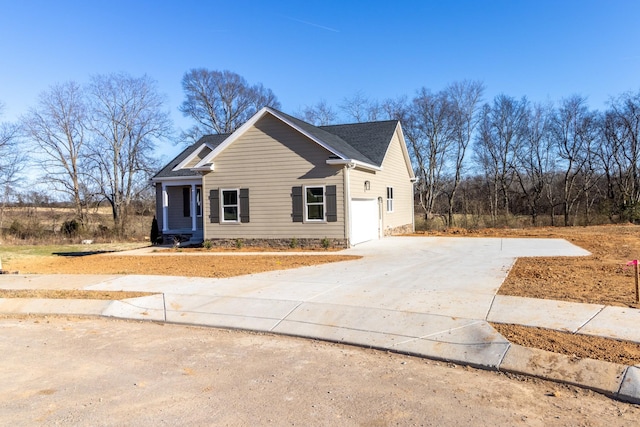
(372, 138)
(168, 172)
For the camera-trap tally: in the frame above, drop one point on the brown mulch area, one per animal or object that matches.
(164, 265)
(167, 265)
(574, 345)
(70, 294)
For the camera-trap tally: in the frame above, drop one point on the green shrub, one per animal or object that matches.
(207, 244)
(239, 243)
(326, 243)
(294, 243)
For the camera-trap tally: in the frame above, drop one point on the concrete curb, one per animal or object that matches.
(614, 380)
(611, 379)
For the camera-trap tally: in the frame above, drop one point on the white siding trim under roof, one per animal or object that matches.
(190, 157)
(405, 152)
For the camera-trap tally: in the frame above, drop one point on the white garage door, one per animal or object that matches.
(364, 220)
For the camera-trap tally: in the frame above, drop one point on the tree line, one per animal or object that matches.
(496, 160)
(491, 160)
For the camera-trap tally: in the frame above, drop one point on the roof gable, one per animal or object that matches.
(365, 144)
(361, 136)
(175, 168)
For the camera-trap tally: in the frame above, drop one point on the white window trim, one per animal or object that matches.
(324, 204)
(222, 206)
(389, 200)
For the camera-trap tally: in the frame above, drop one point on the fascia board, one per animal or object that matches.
(405, 151)
(209, 167)
(354, 163)
(177, 178)
(190, 157)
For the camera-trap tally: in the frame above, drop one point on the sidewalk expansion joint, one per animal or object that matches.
(444, 331)
(504, 354)
(164, 306)
(623, 378)
(286, 315)
(493, 300)
(589, 320)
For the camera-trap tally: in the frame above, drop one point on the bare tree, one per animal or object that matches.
(221, 101)
(360, 109)
(535, 159)
(431, 135)
(621, 152)
(574, 132)
(395, 109)
(59, 126)
(12, 161)
(464, 98)
(127, 118)
(500, 133)
(320, 114)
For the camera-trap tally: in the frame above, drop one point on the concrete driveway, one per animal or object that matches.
(411, 294)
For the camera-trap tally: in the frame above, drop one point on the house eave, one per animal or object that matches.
(175, 178)
(190, 157)
(354, 163)
(208, 167)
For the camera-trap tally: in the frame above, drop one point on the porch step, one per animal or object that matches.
(193, 241)
(196, 239)
(190, 238)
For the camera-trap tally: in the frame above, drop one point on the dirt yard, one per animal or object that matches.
(87, 372)
(167, 265)
(601, 278)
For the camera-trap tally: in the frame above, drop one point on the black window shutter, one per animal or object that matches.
(186, 201)
(244, 205)
(214, 206)
(296, 200)
(332, 205)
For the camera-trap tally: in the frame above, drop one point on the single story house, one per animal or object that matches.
(278, 177)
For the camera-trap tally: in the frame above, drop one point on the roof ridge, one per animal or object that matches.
(360, 123)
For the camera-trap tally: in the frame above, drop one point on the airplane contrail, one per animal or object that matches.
(312, 24)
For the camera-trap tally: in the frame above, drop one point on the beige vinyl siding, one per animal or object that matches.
(177, 220)
(394, 174)
(269, 159)
(201, 155)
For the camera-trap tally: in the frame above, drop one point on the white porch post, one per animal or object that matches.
(194, 214)
(165, 208)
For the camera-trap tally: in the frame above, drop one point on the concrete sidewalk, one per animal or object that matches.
(431, 297)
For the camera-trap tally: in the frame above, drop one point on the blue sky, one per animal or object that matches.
(309, 50)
